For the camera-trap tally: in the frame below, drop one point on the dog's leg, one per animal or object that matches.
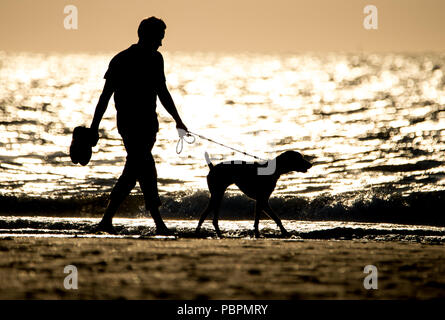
(277, 220)
(214, 203)
(258, 209)
(204, 214)
(218, 200)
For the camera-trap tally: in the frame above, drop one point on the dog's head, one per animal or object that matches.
(292, 161)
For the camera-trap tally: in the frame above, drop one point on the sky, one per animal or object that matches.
(225, 25)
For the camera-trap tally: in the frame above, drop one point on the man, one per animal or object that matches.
(136, 77)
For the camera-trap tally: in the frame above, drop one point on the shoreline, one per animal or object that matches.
(188, 269)
(144, 228)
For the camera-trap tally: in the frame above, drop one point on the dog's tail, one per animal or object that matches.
(209, 163)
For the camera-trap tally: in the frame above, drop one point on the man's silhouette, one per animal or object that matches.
(136, 77)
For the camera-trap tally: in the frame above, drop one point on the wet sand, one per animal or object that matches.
(33, 268)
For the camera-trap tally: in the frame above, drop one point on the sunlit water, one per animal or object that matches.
(365, 121)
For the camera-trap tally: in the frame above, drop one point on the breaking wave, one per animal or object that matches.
(377, 205)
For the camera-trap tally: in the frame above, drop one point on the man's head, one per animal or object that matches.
(151, 31)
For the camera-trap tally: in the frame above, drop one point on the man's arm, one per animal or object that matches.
(167, 101)
(101, 106)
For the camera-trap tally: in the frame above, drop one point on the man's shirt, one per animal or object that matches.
(135, 75)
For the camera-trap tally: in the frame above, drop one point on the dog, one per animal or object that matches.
(256, 180)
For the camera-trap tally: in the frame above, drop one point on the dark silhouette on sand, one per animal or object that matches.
(254, 185)
(136, 77)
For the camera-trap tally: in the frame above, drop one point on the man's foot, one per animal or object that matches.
(285, 233)
(164, 231)
(105, 227)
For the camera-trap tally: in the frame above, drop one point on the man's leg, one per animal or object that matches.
(147, 177)
(121, 190)
(148, 183)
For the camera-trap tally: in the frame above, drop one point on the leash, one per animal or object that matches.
(183, 134)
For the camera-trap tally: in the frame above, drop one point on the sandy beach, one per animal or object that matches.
(33, 268)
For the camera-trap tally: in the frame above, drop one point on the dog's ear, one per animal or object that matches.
(289, 161)
(284, 162)
(290, 156)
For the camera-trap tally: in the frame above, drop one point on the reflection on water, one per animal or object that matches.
(364, 120)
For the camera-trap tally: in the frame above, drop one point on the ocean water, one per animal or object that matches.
(373, 125)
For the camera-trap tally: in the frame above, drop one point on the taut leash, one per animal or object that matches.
(183, 134)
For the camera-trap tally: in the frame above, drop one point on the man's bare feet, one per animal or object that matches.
(163, 231)
(104, 226)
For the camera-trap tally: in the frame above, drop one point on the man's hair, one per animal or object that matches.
(151, 28)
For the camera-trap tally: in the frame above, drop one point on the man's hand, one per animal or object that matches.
(182, 130)
(94, 136)
(180, 125)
